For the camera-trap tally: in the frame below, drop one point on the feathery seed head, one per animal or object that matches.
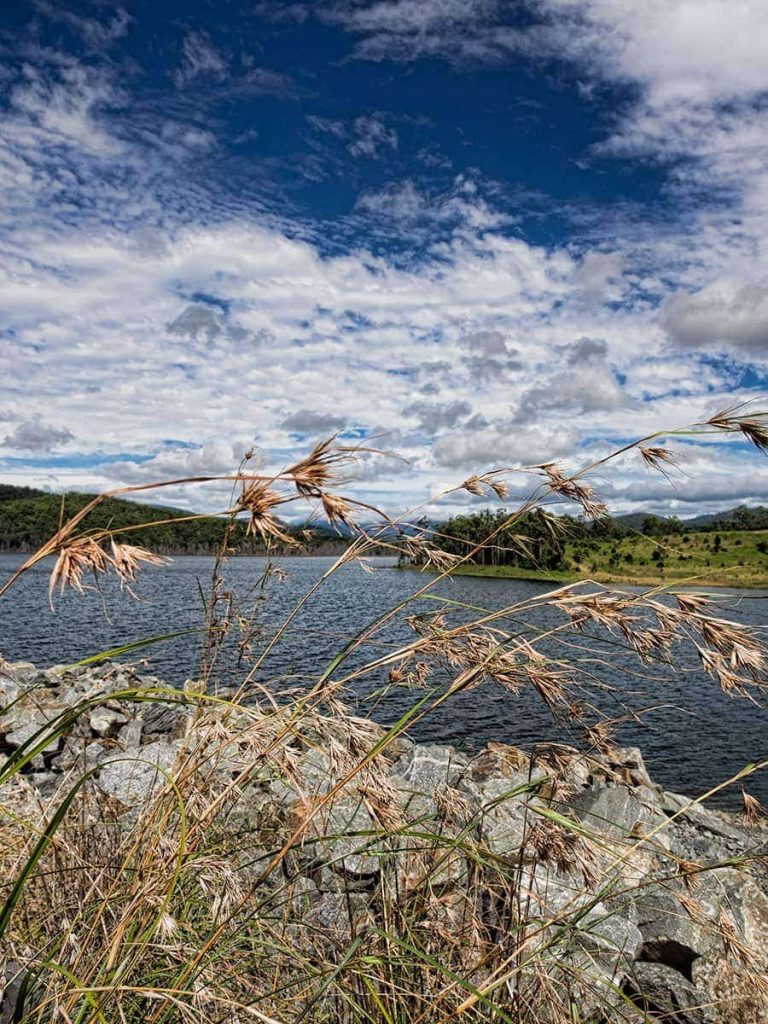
(81, 555)
(126, 559)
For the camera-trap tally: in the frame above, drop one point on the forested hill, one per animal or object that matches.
(728, 549)
(29, 517)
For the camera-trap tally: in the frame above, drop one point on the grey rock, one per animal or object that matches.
(9, 692)
(701, 817)
(631, 760)
(342, 851)
(79, 753)
(138, 772)
(504, 817)
(103, 721)
(22, 673)
(617, 811)
(28, 716)
(430, 767)
(12, 1001)
(130, 734)
(670, 934)
(334, 914)
(314, 772)
(160, 719)
(668, 995)
(604, 932)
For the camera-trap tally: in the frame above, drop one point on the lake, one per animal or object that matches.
(694, 739)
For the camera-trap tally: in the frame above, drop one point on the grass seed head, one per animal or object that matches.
(318, 470)
(753, 428)
(76, 558)
(126, 559)
(659, 458)
(258, 499)
(753, 810)
(337, 510)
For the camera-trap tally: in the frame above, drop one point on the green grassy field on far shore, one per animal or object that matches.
(726, 558)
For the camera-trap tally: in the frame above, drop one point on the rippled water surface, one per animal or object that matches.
(694, 738)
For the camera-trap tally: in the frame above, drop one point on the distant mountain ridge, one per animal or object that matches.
(739, 518)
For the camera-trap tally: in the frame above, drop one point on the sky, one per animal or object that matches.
(479, 233)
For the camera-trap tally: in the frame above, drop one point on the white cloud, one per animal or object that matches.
(310, 421)
(38, 437)
(407, 29)
(62, 104)
(97, 34)
(372, 136)
(587, 389)
(200, 57)
(727, 314)
(503, 446)
(463, 204)
(432, 417)
(141, 311)
(367, 136)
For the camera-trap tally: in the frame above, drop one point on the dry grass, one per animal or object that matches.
(195, 908)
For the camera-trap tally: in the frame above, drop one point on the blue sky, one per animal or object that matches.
(484, 232)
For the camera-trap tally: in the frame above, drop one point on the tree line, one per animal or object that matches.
(28, 518)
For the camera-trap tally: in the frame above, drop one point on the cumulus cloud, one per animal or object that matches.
(372, 136)
(433, 417)
(489, 356)
(198, 321)
(585, 350)
(599, 276)
(593, 389)
(463, 204)
(503, 445)
(35, 436)
(227, 318)
(588, 385)
(309, 421)
(726, 314)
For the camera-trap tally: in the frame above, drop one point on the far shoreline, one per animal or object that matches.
(563, 578)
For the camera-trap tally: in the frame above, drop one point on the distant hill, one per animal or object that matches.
(739, 518)
(29, 517)
(9, 492)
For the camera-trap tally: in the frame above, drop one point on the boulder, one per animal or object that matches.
(104, 721)
(431, 767)
(343, 836)
(671, 934)
(701, 817)
(504, 817)
(137, 773)
(736, 990)
(12, 993)
(667, 994)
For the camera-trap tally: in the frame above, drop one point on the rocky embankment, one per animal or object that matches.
(644, 905)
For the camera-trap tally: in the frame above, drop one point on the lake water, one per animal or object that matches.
(694, 739)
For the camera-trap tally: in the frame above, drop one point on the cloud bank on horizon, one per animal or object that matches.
(481, 232)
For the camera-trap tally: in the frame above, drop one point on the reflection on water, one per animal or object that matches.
(693, 739)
